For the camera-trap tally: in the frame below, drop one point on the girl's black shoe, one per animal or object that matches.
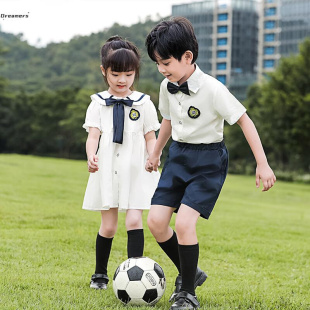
(99, 281)
(185, 301)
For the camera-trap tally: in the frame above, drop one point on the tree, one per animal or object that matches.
(282, 111)
(5, 112)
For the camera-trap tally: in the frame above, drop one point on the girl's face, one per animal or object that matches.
(119, 82)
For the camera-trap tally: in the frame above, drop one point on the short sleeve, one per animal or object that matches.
(227, 105)
(92, 118)
(150, 118)
(164, 101)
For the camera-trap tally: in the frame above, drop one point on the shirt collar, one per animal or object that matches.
(195, 80)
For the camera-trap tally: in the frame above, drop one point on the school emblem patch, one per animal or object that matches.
(134, 114)
(193, 112)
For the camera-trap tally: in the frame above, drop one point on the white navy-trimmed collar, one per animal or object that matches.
(137, 97)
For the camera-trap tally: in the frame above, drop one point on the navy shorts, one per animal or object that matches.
(193, 175)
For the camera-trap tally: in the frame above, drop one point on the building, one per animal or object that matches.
(240, 41)
(227, 32)
(284, 24)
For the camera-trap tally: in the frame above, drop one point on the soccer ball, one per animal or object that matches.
(139, 281)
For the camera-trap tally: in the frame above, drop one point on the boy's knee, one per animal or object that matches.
(153, 223)
(183, 226)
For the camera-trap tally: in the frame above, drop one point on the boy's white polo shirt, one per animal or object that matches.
(199, 118)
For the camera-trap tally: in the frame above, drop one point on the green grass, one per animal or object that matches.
(255, 247)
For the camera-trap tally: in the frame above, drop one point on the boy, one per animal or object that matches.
(194, 106)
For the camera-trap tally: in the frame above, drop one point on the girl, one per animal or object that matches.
(125, 121)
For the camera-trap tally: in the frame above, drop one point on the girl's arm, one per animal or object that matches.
(150, 139)
(91, 149)
(163, 137)
(263, 171)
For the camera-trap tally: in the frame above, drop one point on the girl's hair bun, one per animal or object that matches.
(115, 38)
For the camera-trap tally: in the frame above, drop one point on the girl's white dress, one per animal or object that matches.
(122, 181)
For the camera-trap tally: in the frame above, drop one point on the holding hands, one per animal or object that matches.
(152, 163)
(92, 163)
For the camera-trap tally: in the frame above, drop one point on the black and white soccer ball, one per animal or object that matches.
(139, 281)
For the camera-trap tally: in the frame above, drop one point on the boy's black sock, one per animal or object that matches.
(135, 243)
(103, 249)
(189, 260)
(170, 247)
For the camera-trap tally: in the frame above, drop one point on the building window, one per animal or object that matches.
(221, 66)
(223, 16)
(269, 63)
(221, 54)
(222, 78)
(269, 50)
(222, 29)
(270, 12)
(269, 37)
(222, 41)
(269, 1)
(270, 24)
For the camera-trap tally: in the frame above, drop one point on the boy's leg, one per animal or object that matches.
(134, 226)
(108, 227)
(188, 251)
(158, 221)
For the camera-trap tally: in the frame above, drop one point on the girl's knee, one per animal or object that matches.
(107, 231)
(134, 219)
(134, 222)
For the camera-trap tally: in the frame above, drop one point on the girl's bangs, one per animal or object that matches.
(123, 60)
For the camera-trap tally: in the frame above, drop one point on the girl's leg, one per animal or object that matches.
(107, 231)
(158, 221)
(134, 226)
(185, 226)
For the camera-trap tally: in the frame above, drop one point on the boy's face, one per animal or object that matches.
(175, 70)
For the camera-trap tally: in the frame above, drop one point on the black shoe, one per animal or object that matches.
(200, 278)
(185, 301)
(99, 281)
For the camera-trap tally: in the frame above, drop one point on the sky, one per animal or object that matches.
(46, 21)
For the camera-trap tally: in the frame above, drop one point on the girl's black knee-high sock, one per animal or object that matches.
(103, 249)
(135, 243)
(170, 247)
(189, 260)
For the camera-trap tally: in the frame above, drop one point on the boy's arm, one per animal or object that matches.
(163, 137)
(91, 148)
(263, 171)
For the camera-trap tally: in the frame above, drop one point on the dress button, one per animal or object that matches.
(180, 122)
(115, 172)
(117, 154)
(179, 103)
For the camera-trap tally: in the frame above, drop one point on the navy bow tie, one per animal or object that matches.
(173, 89)
(118, 116)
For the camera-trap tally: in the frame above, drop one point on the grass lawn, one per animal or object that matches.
(255, 247)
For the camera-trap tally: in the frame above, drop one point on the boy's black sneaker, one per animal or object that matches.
(185, 301)
(200, 278)
(99, 281)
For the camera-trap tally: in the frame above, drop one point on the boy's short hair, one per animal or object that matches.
(172, 38)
